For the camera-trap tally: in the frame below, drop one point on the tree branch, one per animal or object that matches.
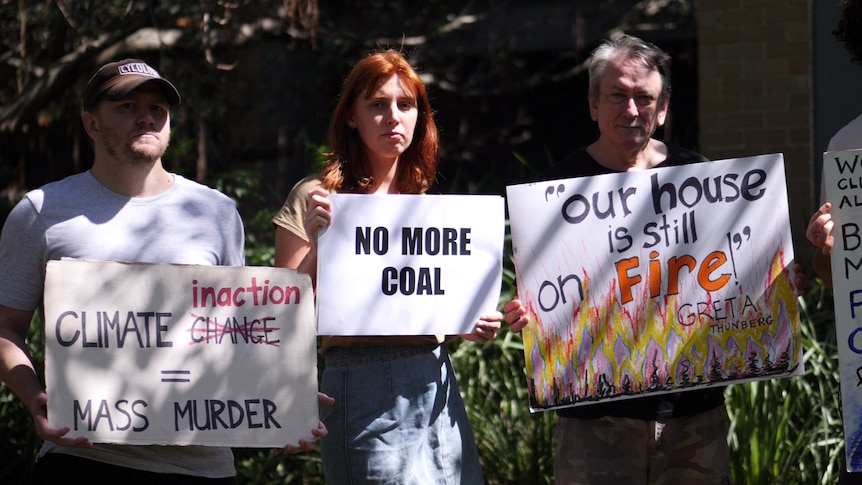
(56, 78)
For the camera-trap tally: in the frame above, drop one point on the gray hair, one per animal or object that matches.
(632, 48)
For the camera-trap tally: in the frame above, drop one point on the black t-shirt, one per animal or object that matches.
(675, 404)
(581, 164)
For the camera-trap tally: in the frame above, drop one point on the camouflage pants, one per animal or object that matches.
(623, 451)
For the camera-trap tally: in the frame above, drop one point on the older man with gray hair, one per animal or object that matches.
(673, 438)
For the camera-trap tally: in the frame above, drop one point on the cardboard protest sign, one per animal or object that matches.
(409, 264)
(655, 281)
(182, 355)
(842, 176)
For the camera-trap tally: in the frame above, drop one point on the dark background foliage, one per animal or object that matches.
(259, 78)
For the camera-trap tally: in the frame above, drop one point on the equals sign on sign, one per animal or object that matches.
(176, 376)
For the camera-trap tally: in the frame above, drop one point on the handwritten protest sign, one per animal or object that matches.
(171, 354)
(655, 281)
(842, 175)
(409, 264)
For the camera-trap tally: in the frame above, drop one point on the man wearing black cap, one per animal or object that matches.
(127, 207)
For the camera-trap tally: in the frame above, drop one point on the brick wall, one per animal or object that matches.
(756, 91)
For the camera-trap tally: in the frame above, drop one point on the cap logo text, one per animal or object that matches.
(138, 68)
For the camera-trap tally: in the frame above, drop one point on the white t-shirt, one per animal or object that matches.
(78, 217)
(849, 137)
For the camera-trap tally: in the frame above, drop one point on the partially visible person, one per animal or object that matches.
(673, 438)
(127, 208)
(398, 415)
(849, 137)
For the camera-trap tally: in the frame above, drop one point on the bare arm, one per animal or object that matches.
(293, 252)
(16, 367)
(822, 264)
(17, 371)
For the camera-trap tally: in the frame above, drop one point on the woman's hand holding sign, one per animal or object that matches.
(486, 328)
(319, 214)
(318, 433)
(294, 251)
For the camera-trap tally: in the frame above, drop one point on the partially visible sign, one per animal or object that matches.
(842, 175)
(173, 354)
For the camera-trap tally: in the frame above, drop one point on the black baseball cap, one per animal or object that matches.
(115, 80)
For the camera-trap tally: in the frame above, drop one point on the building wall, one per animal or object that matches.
(756, 92)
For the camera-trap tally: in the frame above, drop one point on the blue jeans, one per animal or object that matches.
(398, 418)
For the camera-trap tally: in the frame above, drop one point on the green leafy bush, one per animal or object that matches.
(789, 430)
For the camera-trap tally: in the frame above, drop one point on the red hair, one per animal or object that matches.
(347, 167)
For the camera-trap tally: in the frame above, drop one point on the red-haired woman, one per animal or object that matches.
(398, 416)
